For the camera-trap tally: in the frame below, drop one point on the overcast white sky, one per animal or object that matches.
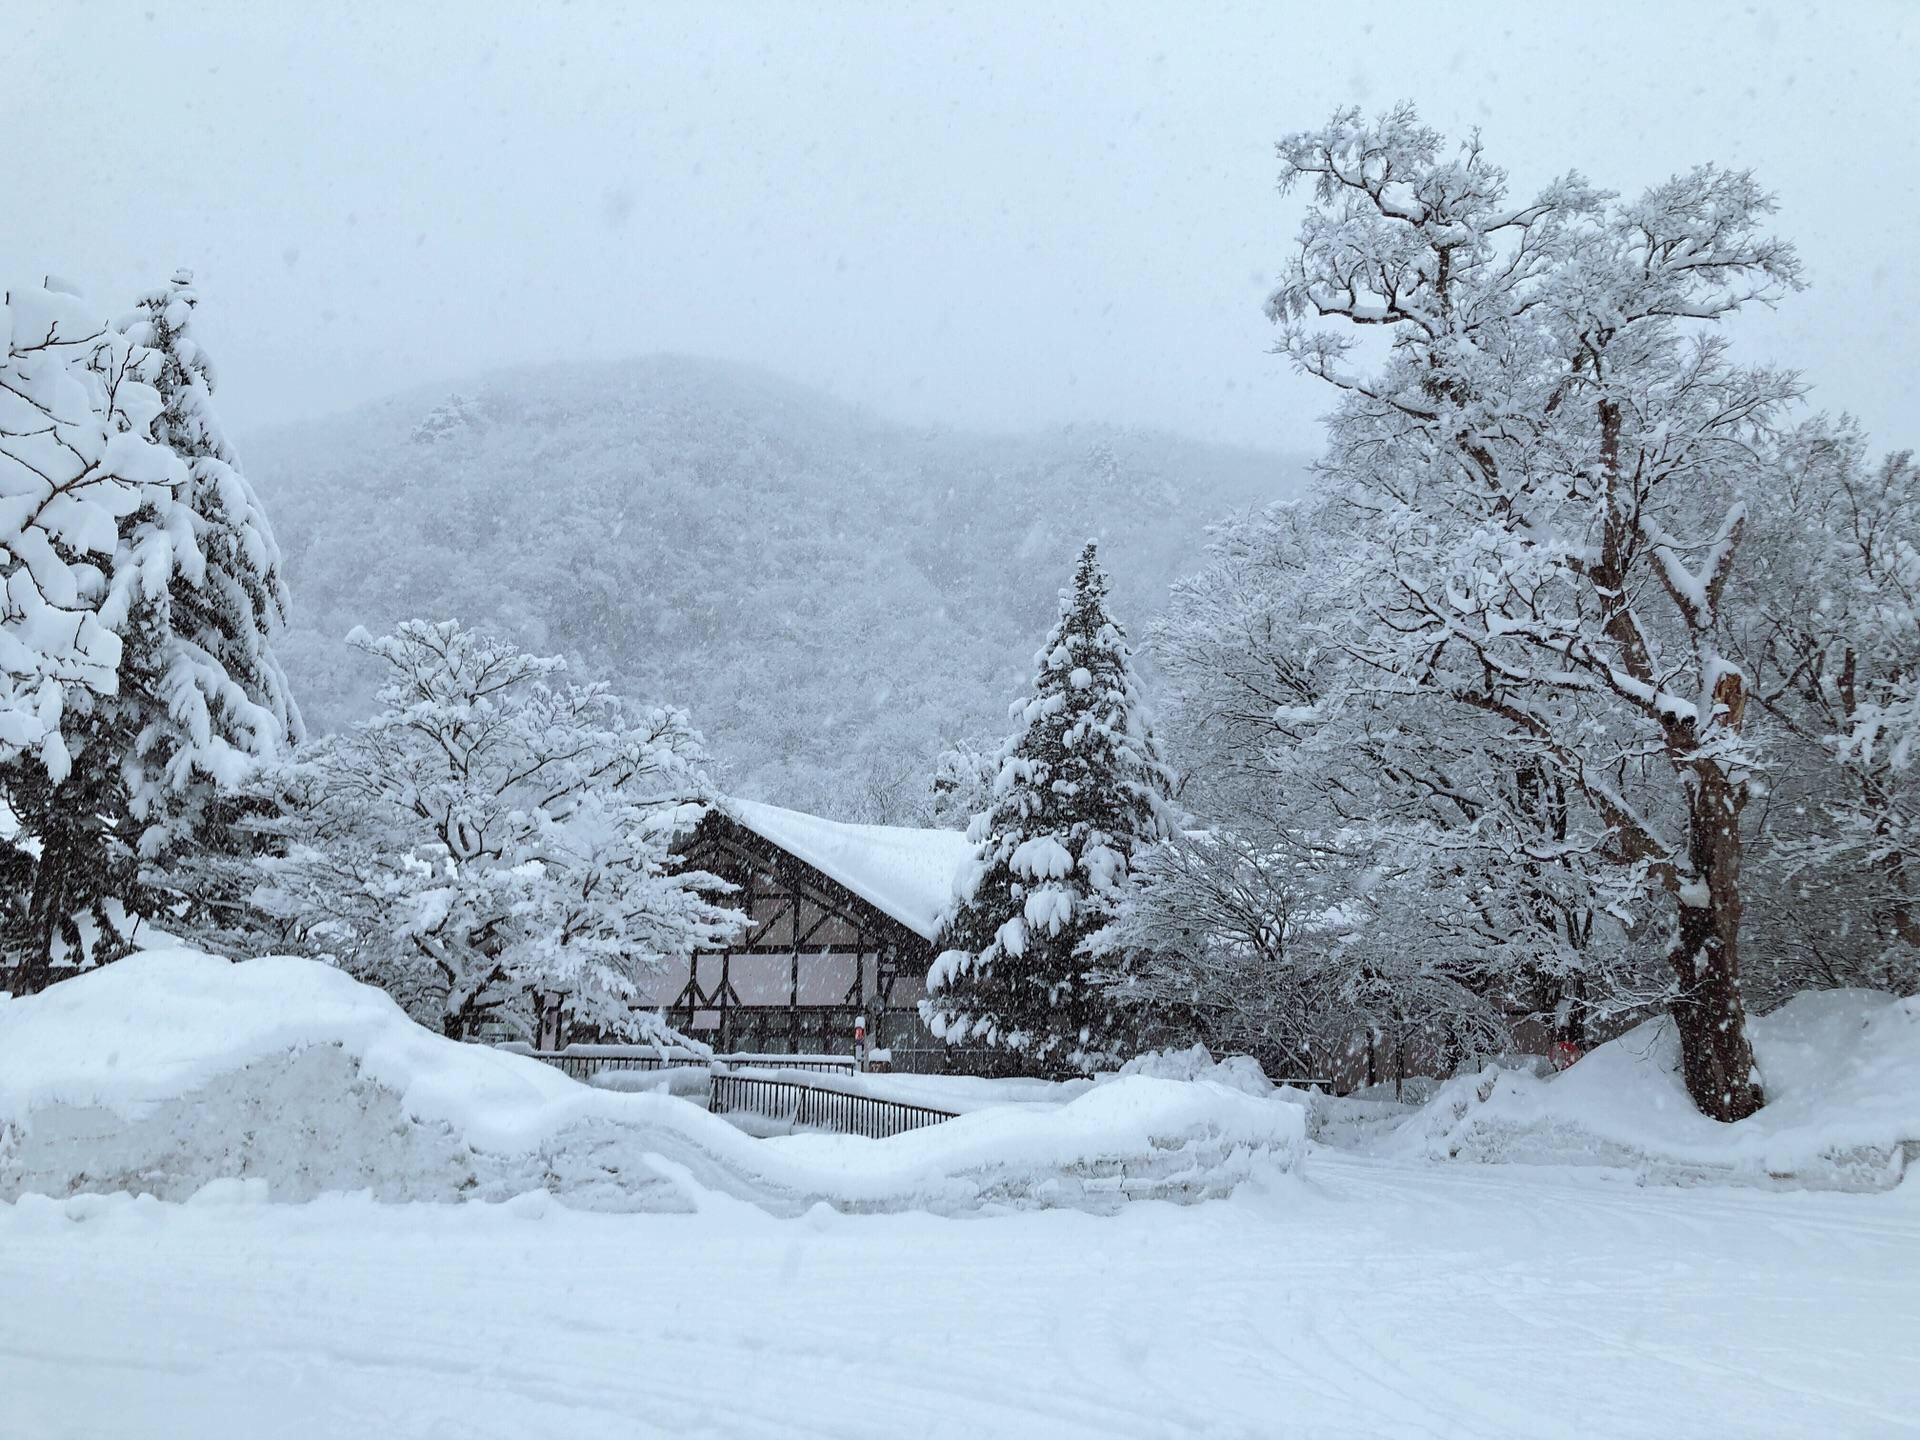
(960, 212)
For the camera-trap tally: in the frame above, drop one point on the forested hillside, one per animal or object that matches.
(833, 596)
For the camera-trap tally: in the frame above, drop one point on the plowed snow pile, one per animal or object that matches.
(1842, 1075)
(1236, 1072)
(169, 1071)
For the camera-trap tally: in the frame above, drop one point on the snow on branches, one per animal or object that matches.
(1830, 628)
(77, 457)
(1372, 864)
(200, 600)
(137, 689)
(1080, 789)
(1545, 483)
(494, 829)
(221, 701)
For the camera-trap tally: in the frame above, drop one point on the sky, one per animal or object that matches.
(993, 216)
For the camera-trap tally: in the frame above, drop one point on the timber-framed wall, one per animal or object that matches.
(815, 958)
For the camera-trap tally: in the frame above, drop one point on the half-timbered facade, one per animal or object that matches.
(843, 923)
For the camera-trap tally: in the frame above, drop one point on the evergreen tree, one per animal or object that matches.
(78, 460)
(1080, 789)
(130, 778)
(218, 702)
(76, 457)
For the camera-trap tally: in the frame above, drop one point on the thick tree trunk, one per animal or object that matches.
(1716, 1056)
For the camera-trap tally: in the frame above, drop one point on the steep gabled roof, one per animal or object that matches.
(906, 873)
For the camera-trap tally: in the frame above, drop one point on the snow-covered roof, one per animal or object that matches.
(902, 872)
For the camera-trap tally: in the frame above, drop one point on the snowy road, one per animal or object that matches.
(1365, 1300)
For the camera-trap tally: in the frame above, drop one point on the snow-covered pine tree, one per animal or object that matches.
(191, 595)
(76, 456)
(218, 702)
(78, 461)
(1080, 789)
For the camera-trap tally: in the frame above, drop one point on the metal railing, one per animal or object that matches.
(582, 1062)
(784, 1100)
(819, 1064)
(796, 1103)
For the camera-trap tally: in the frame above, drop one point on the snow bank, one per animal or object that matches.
(1137, 1137)
(170, 1070)
(1346, 1122)
(1842, 1075)
(1418, 1089)
(963, 1093)
(1236, 1072)
(689, 1082)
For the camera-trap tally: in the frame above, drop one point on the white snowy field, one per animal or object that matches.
(1362, 1297)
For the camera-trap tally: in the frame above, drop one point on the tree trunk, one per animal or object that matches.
(1716, 1056)
(32, 975)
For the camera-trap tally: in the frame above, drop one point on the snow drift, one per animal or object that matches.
(1841, 1070)
(1235, 1072)
(169, 1071)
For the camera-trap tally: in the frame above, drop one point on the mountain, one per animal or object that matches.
(832, 595)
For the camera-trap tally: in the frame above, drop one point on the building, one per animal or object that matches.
(844, 919)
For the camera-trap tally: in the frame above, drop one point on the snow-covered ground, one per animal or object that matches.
(646, 1269)
(1842, 1076)
(1365, 1298)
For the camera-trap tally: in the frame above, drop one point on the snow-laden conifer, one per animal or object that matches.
(82, 472)
(174, 594)
(203, 589)
(1080, 789)
(77, 456)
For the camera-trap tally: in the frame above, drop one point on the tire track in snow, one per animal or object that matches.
(1369, 1299)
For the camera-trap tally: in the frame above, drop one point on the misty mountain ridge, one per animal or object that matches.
(834, 596)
